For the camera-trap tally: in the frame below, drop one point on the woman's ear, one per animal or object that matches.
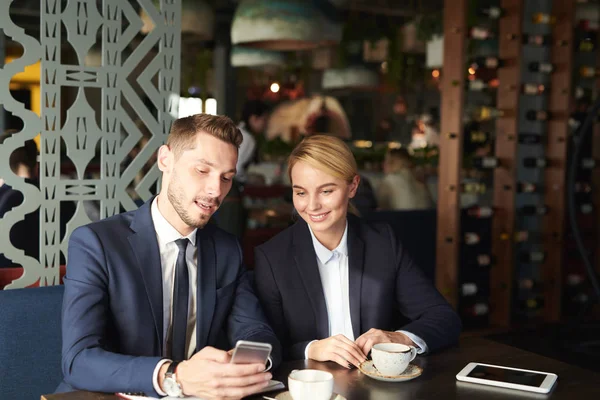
(354, 186)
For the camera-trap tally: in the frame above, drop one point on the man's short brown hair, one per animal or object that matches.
(184, 130)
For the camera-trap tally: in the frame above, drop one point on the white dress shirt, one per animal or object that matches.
(166, 235)
(333, 269)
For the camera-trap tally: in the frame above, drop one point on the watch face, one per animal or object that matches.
(171, 387)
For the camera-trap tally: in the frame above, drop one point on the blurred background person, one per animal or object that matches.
(232, 215)
(401, 125)
(24, 234)
(400, 189)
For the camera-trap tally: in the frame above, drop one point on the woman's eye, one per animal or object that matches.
(327, 191)
(300, 194)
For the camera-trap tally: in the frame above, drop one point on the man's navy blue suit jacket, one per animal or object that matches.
(113, 303)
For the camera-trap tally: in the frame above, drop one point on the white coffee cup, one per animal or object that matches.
(310, 384)
(391, 359)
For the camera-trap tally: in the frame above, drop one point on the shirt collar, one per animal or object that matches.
(323, 253)
(165, 232)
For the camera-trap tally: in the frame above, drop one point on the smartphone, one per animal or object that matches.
(507, 377)
(247, 352)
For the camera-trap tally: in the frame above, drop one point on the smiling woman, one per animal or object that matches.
(332, 285)
(324, 178)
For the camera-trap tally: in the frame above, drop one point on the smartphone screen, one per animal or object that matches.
(507, 375)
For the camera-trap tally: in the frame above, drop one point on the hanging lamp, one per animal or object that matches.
(277, 25)
(354, 77)
(197, 20)
(249, 57)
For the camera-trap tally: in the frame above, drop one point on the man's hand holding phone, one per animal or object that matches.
(211, 374)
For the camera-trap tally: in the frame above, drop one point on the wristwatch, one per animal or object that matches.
(170, 385)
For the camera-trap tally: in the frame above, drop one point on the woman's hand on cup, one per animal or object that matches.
(373, 336)
(338, 349)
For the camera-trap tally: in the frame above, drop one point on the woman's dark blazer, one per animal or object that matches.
(387, 290)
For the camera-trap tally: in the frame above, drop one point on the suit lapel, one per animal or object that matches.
(145, 247)
(206, 292)
(356, 253)
(306, 262)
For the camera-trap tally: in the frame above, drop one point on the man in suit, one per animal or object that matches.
(154, 297)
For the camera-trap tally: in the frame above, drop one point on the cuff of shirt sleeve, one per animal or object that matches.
(306, 349)
(155, 377)
(421, 345)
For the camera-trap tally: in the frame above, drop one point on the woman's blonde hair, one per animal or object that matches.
(328, 154)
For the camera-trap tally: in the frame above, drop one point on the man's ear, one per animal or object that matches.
(354, 186)
(165, 158)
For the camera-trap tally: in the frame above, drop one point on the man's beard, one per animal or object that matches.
(175, 196)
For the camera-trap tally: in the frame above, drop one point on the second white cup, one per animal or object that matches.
(391, 359)
(310, 384)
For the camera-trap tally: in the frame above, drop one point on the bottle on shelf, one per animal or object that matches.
(583, 187)
(473, 187)
(485, 113)
(532, 303)
(528, 284)
(586, 45)
(522, 236)
(535, 162)
(472, 238)
(533, 256)
(480, 212)
(486, 62)
(486, 162)
(530, 138)
(589, 72)
(533, 89)
(538, 115)
(581, 92)
(481, 33)
(478, 85)
(537, 40)
(588, 163)
(468, 289)
(580, 298)
(483, 260)
(492, 12)
(541, 67)
(586, 208)
(526, 187)
(478, 309)
(587, 25)
(543, 18)
(575, 279)
(534, 210)
(479, 136)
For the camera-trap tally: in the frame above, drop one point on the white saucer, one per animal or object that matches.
(288, 396)
(411, 372)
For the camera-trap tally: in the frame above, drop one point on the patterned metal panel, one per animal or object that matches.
(123, 50)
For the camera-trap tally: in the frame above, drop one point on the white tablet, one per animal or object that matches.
(507, 377)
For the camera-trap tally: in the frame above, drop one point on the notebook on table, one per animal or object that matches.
(273, 385)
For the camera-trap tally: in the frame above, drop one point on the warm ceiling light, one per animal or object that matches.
(435, 73)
